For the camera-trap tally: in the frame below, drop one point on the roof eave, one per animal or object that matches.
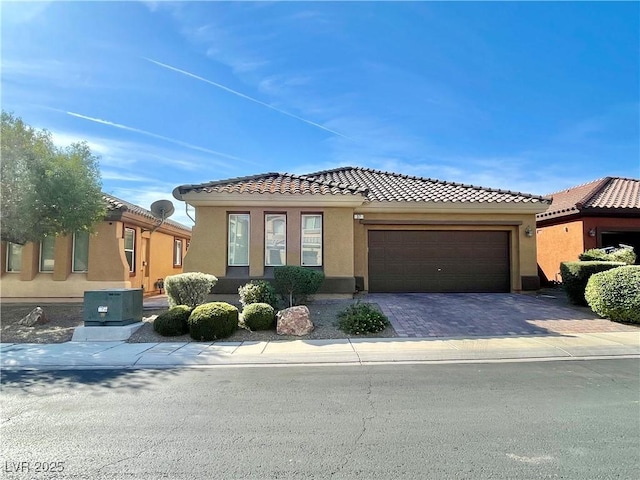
(575, 214)
(454, 207)
(270, 200)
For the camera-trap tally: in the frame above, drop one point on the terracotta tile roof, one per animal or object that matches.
(115, 204)
(284, 183)
(617, 193)
(605, 194)
(389, 187)
(375, 185)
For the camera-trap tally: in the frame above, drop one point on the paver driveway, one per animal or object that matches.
(488, 314)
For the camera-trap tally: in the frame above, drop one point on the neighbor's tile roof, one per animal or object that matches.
(285, 183)
(375, 185)
(609, 193)
(115, 204)
(390, 187)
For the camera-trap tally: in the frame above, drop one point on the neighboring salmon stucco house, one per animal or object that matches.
(129, 249)
(366, 230)
(602, 213)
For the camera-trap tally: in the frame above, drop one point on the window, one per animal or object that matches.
(311, 236)
(80, 252)
(177, 252)
(14, 257)
(238, 246)
(47, 254)
(130, 247)
(275, 239)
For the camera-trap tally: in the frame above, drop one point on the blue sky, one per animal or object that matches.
(526, 96)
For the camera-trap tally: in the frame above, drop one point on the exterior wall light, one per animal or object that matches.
(592, 232)
(528, 231)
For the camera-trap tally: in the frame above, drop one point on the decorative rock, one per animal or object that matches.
(36, 317)
(294, 321)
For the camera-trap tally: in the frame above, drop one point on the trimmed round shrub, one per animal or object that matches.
(173, 322)
(258, 291)
(623, 255)
(189, 288)
(259, 316)
(361, 318)
(213, 321)
(575, 276)
(615, 294)
(594, 255)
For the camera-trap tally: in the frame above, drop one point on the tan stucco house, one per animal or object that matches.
(129, 249)
(366, 230)
(601, 213)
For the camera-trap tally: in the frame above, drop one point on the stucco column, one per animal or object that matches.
(293, 237)
(3, 258)
(338, 241)
(256, 246)
(63, 251)
(107, 261)
(208, 249)
(30, 261)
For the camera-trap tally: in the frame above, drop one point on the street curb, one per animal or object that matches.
(321, 364)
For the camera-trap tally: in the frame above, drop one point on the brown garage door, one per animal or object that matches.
(438, 261)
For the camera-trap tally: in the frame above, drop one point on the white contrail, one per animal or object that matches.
(155, 135)
(242, 95)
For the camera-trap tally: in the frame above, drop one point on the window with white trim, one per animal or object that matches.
(275, 239)
(47, 254)
(130, 247)
(80, 261)
(311, 240)
(238, 241)
(14, 257)
(177, 252)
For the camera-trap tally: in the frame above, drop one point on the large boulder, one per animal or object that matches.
(294, 321)
(35, 317)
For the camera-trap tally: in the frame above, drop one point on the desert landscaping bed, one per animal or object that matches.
(64, 318)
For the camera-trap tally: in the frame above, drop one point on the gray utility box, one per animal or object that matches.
(112, 308)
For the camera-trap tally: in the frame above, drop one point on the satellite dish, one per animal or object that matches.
(162, 209)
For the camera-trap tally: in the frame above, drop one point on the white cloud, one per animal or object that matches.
(23, 12)
(122, 176)
(49, 69)
(242, 95)
(143, 163)
(97, 146)
(154, 135)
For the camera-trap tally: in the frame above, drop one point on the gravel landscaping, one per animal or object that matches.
(64, 318)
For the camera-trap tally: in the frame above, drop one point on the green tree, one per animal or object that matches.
(46, 190)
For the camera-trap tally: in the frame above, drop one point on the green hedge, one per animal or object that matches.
(189, 288)
(258, 291)
(213, 321)
(575, 276)
(259, 316)
(173, 322)
(624, 255)
(615, 294)
(295, 283)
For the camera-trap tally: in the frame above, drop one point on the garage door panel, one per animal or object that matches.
(393, 283)
(439, 261)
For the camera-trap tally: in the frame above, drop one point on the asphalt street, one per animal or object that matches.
(557, 419)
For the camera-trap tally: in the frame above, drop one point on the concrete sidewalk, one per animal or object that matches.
(356, 351)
